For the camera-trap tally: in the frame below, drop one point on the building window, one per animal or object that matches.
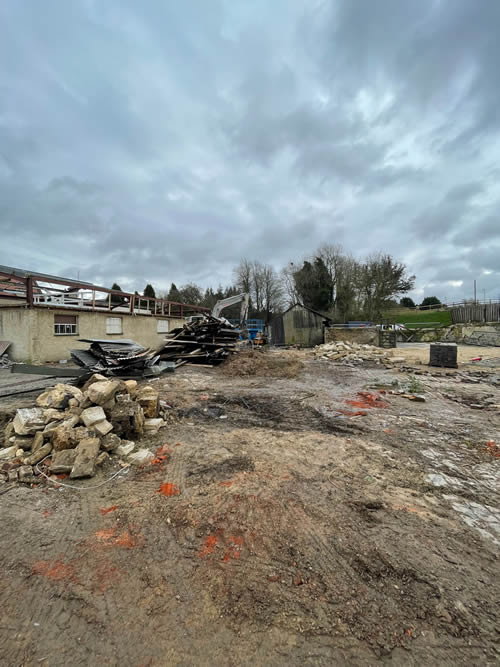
(114, 325)
(65, 325)
(162, 326)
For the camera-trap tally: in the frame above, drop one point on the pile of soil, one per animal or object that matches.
(260, 362)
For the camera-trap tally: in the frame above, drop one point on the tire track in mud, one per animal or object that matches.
(40, 599)
(282, 545)
(66, 573)
(72, 518)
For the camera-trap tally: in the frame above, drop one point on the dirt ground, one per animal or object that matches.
(291, 521)
(419, 353)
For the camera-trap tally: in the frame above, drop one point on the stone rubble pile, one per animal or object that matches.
(355, 353)
(76, 430)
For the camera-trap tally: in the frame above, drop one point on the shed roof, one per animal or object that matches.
(324, 317)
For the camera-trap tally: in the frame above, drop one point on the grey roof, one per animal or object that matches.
(324, 317)
(22, 273)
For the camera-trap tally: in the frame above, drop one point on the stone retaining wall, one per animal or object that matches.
(467, 334)
(365, 335)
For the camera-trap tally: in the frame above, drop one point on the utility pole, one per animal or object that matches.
(474, 291)
(484, 295)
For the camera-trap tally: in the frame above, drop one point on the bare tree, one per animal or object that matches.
(257, 285)
(288, 288)
(272, 291)
(243, 275)
(262, 283)
(332, 255)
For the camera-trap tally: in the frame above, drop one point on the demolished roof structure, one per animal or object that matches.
(31, 289)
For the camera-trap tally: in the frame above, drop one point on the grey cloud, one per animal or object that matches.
(462, 193)
(454, 209)
(487, 229)
(165, 142)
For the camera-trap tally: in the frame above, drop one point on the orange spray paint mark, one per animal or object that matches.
(169, 489)
(367, 400)
(127, 540)
(234, 550)
(493, 448)
(162, 454)
(106, 534)
(210, 544)
(107, 510)
(55, 570)
(158, 460)
(124, 539)
(349, 413)
(225, 483)
(46, 514)
(105, 576)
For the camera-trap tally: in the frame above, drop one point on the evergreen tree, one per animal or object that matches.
(314, 285)
(174, 294)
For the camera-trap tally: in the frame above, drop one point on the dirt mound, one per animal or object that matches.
(259, 362)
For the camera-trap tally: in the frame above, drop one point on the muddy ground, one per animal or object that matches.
(292, 521)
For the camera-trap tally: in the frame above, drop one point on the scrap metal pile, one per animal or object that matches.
(119, 358)
(204, 340)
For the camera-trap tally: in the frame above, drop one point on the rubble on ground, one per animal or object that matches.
(348, 353)
(71, 431)
(204, 340)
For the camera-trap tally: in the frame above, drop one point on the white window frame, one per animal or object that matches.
(162, 326)
(114, 325)
(66, 329)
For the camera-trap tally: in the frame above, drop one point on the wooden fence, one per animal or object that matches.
(484, 312)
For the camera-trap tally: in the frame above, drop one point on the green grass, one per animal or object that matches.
(420, 318)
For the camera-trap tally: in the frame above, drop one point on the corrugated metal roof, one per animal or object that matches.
(301, 305)
(45, 277)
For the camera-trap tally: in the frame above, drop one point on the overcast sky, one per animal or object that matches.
(162, 141)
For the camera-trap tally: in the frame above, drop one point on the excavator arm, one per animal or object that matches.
(244, 297)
